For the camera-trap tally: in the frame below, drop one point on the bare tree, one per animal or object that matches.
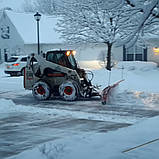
(44, 6)
(109, 22)
(91, 21)
(143, 20)
(28, 6)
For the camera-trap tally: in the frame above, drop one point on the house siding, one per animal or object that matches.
(13, 43)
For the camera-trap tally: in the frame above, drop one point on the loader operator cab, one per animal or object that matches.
(63, 58)
(66, 58)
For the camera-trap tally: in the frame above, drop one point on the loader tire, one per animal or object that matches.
(41, 90)
(68, 91)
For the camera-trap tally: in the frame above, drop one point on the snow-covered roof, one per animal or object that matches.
(26, 26)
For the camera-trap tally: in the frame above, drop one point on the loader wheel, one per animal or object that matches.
(41, 90)
(68, 91)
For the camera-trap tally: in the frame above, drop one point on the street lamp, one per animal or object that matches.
(37, 17)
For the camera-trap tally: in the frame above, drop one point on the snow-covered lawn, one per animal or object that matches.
(140, 88)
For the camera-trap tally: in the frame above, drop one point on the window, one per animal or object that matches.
(156, 50)
(6, 50)
(12, 59)
(135, 53)
(5, 32)
(24, 59)
(61, 58)
(138, 49)
(130, 50)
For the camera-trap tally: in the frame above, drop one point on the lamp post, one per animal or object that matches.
(37, 17)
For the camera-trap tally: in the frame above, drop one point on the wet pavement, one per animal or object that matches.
(20, 131)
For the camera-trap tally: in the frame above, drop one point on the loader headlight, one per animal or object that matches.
(68, 53)
(73, 52)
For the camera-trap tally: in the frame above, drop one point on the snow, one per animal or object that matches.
(47, 27)
(145, 76)
(140, 87)
(104, 146)
(15, 83)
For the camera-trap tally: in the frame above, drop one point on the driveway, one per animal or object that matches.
(24, 130)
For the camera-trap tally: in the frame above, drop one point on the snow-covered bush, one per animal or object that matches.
(137, 65)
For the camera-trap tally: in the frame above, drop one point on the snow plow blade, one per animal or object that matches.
(107, 91)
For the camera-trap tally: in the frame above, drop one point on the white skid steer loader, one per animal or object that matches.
(57, 74)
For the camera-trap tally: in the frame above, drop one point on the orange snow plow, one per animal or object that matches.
(106, 92)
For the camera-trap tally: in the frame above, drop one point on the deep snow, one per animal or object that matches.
(140, 87)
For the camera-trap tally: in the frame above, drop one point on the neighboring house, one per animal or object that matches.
(18, 36)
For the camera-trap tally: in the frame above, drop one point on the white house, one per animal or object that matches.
(18, 35)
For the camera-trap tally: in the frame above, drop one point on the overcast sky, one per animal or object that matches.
(14, 4)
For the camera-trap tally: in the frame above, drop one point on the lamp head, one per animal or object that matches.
(37, 16)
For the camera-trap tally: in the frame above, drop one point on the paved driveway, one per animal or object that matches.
(24, 130)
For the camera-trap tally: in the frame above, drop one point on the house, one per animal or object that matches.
(18, 36)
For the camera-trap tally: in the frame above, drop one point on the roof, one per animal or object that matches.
(26, 26)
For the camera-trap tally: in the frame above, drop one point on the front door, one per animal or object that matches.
(6, 53)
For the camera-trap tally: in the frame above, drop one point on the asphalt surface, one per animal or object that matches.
(20, 131)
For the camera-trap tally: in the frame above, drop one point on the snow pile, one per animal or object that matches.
(139, 76)
(103, 146)
(142, 100)
(137, 66)
(6, 106)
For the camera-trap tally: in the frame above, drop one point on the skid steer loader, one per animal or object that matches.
(56, 74)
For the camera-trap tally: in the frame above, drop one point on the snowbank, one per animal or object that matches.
(8, 106)
(139, 76)
(140, 99)
(126, 65)
(103, 146)
(137, 66)
(8, 83)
